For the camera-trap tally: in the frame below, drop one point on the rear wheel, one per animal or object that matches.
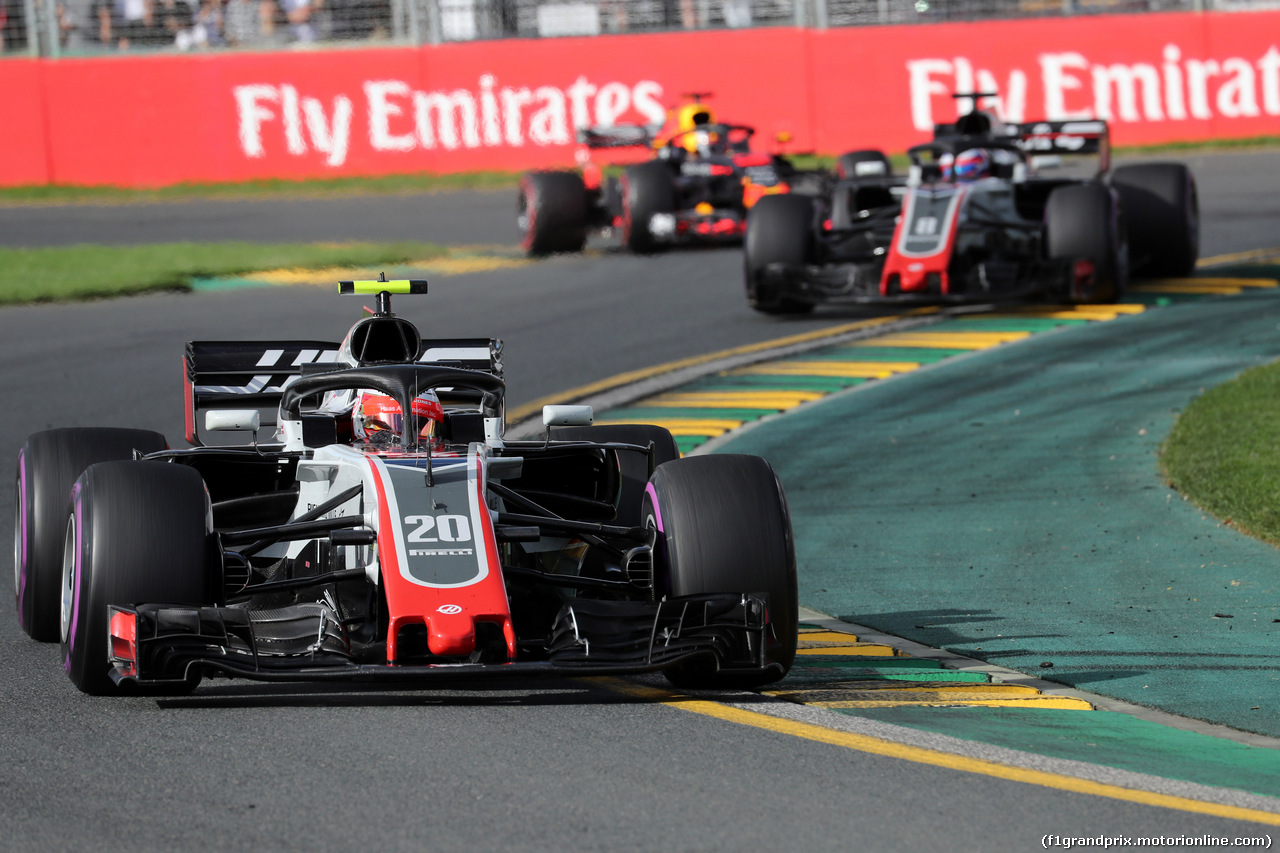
(647, 189)
(634, 467)
(1162, 214)
(863, 164)
(552, 212)
(1083, 224)
(137, 532)
(48, 465)
(779, 231)
(723, 527)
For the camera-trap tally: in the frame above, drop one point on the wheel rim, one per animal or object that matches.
(19, 533)
(527, 217)
(1193, 224)
(626, 210)
(68, 577)
(524, 217)
(658, 555)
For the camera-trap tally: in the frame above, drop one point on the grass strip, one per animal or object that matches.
(1224, 452)
(383, 185)
(436, 182)
(89, 272)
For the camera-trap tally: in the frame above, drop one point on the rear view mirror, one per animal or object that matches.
(567, 416)
(232, 420)
(319, 430)
(1046, 161)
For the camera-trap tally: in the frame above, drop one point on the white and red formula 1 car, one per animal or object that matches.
(980, 217)
(360, 544)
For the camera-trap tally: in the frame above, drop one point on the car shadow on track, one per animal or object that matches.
(472, 694)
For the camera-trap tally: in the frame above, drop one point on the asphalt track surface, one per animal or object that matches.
(519, 766)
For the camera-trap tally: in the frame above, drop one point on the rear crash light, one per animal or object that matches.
(123, 628)
(1082, 279)
(1082, 272)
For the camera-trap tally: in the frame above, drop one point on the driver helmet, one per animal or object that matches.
(970, 165)
(693, 116)
(693, 128)
(701, 142)
(376, 418)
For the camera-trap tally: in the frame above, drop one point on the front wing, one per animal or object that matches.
(155, 644)
(859, 284)
(690, 226)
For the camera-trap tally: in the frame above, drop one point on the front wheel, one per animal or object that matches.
(780, 230)
(647, 190)
(1083, 225)
(723, 527)
(48, 464)
(137, 532)
(551, 212)
(1162, 214)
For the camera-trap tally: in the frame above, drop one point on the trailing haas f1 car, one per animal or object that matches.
(698, 188)
(366, 543)
(974, 222)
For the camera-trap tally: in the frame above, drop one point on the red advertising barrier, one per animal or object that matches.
(24, 150)
(1156, 77)
(157, 120)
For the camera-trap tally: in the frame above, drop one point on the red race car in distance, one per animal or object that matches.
(698, 187)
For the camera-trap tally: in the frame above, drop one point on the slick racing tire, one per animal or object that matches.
(552, 212)
(723, 527)
(647, 189)
(1083, 223)
(779, 230)
(48, 465)
(137, 532)
(1162, 213)
(863, 164)
(634, 467)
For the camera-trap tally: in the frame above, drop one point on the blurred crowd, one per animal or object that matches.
(86, 26)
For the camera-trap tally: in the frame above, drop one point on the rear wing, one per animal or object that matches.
(1034, 137)
(254, 374)
(1066, 138)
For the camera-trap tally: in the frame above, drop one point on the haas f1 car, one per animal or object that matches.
(975, 222)
(391, 532)
(698, 188)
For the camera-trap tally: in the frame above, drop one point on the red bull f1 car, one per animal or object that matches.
(975, 221)
(362, 544)
(698, 188)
